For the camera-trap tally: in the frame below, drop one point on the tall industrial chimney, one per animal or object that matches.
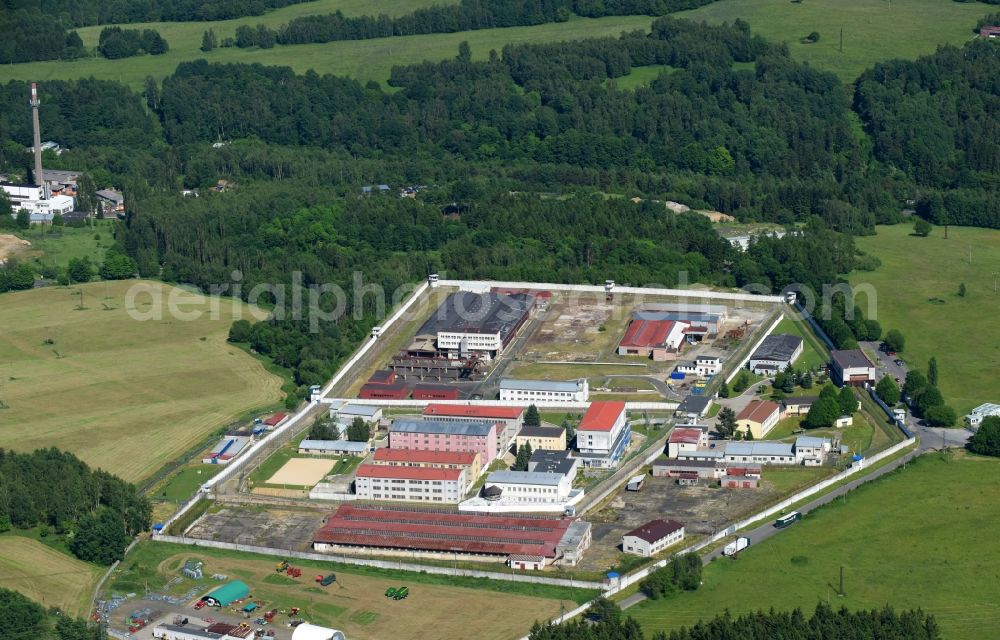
(39, 179)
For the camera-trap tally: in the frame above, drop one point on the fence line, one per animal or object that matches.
(383, 564)
(750, 352)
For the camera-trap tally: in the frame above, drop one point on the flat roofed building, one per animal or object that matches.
(510, 418)
(560, 462)
(542, 437)
(659, 339)
(652, 537)
(530, 487)
(760, 453)
(333, 447)
(776, 353)
(811, 451)
(346, 413)
(758, 417)
(434, 435)
(851, 367)
(468, 322)
(544, 391)
(712, 469)
(410, 484)
(603, 434)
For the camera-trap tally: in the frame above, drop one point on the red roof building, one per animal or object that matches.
(657, 338)
(421, 456)
(276, 419)
(396, 528)
(382, 377)
(683, 435)
(395, 391)
(434, 392)
(602, 416)
(652, 537)
(758, 417)
(472, 412)
(407, 473)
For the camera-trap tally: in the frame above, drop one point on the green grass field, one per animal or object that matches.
(45, 575)
(58, 245)
(917, 288)
(124, 395)
(361, 59)
(874, 30)
(903, 540)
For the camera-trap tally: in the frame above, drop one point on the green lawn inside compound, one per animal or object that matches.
(874, 30)
(902, 540)
(360, 59)
(814, 352)
(917, 290)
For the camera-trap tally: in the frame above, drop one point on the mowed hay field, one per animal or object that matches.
(356, 604)
(907, 540)
(45, 575)
(874, 30)
(123, 394)
(360, 59)
(917, 288)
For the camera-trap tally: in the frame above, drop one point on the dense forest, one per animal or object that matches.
(952, 99)
(540, 150)
(115, 42)
(467, 15)
(55, 490)
(25, 619)
(606, 622)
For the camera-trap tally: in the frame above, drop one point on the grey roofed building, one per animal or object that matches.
(361, 410)
(851, 359)
(692, 464)
(334, 445)
(739, 448)
(111, 195)
(780, 347)
(697, 405)
(188, 632)
(565, 386)
(540, 432)
(704, 454)
(449, 428)
(810, 441)
(468, 312)
(524, 477)
(544, 461)
(693, 318)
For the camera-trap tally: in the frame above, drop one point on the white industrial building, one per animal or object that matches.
(333, 448)
(530, 487)
(703, 366)
(544, 391)
(410, 484)
(346, 413)
(851, 367)
(980, 413)
(306, 631)
(31, 199)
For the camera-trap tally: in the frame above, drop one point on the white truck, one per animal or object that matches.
(735, 547)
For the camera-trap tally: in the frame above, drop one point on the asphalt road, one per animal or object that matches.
(930, 437)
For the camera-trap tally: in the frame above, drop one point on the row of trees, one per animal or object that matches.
(50, 488)
(467, 15)
(606, 622)
(115, 42)
(830, 405)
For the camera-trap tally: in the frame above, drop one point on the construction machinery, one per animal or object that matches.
(390, 592)
(281, 566)
(401, 593)
(327, 580)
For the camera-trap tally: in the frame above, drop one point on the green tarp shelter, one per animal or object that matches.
(227, 594)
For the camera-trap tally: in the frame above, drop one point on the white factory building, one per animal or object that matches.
(32, 200)
(544, 391)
